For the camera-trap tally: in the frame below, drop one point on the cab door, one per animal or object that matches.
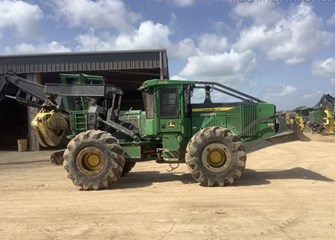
(170, 116)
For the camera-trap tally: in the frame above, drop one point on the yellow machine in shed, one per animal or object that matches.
(292, 117)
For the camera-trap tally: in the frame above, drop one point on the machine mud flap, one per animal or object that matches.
(288, 133)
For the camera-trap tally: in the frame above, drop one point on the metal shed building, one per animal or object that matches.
(126, 69)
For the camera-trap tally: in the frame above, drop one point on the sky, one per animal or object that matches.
(280, 51)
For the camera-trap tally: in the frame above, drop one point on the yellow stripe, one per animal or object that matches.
(216, 109)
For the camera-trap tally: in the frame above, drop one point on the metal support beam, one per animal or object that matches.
(32, 138)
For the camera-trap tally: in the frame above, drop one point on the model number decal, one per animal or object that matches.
(208, 114)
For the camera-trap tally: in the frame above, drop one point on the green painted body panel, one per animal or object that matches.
(317, 117)
(132, 150)
(265, 129)
(78, 106)
(237, 119)
(79, 103)
(140, 151)
(136, 118)
(171, 145)
(149, 129)
(78, 121)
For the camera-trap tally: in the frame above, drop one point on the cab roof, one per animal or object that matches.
(164, 82)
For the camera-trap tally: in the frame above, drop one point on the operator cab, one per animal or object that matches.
(167, 106)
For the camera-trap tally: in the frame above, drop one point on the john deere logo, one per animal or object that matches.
(171, 124)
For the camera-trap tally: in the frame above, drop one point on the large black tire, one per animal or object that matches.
(214, 156)
(128, 166)
(93, 160)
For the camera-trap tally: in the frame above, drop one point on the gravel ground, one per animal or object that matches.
(286, 192)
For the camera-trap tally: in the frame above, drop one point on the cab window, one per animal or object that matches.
(168, 100)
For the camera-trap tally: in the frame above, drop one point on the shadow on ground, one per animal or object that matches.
(27, 162)
(249, 177)
(147, 178)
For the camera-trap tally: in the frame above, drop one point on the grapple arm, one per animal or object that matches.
(50, 124)
(285, 133)
(24, 91)
(50, 127)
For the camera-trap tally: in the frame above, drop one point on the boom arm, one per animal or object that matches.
(24, 91)
(326, 101)
(49, 124)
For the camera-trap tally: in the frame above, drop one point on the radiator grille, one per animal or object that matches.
(250, 115)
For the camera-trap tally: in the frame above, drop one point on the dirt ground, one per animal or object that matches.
(286, 192)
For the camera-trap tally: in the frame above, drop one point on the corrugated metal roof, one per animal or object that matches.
(85, 61)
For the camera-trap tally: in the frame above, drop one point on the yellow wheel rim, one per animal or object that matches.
(216, 157)
(90, 161)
